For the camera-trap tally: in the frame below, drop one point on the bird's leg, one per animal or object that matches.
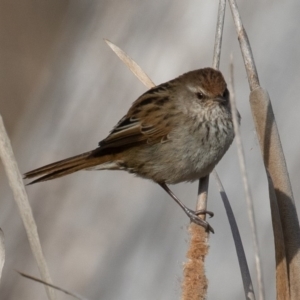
(193, 215)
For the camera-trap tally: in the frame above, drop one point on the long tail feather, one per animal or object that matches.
(65, 167)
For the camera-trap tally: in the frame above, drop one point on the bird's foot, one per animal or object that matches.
(193, 215)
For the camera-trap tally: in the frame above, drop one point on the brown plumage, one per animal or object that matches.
(60, 168)
(177, 131)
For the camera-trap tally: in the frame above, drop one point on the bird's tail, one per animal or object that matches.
(67, 166)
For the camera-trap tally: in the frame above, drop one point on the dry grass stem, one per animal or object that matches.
(2, 252)
(75, 295)
(219, 34)
(204, 182)
(249, 200)
(20, 196)
(202, 195)
(245, 47)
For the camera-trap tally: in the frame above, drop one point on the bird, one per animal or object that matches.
(175, 132)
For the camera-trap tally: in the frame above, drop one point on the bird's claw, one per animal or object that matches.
(193, 215)
(204, 212)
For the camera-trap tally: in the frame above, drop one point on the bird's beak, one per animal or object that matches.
(221, 99)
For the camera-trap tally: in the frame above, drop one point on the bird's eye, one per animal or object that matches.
(200, 96)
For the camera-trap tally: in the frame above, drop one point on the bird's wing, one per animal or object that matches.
(147, 121)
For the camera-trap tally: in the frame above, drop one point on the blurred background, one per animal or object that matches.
(109, 235)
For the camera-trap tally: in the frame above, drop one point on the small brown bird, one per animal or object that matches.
(177, 131)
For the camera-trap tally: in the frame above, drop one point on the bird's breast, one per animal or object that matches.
(201, 147)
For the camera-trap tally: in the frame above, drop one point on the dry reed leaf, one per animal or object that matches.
(20, 196)
(131, 64)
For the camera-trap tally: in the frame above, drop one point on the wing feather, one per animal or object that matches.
(145, 122)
